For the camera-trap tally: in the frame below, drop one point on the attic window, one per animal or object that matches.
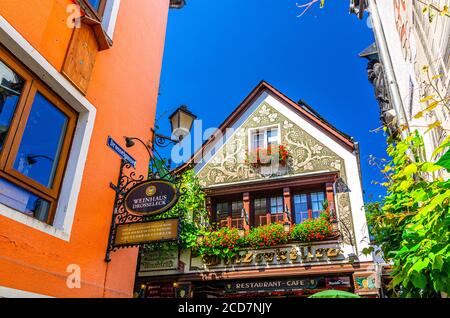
(264, 137)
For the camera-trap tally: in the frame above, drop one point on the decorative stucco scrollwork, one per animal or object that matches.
(306, 155)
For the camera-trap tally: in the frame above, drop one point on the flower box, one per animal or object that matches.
(266, 156)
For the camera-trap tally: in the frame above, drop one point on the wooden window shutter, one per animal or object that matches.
(80, 57)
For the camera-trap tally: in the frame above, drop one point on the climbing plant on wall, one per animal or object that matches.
(412, 223)
(190, 208)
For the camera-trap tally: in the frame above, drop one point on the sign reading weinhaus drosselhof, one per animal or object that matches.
(151, 197)
(147, 232)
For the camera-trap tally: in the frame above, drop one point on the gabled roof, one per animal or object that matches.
(302, 108)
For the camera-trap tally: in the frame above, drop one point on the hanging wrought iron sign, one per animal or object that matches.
(136, 200)
(151, 197)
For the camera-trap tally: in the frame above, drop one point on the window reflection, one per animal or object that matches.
(307, 203)
(41, 142)
(11, 86)
(317, 200)
(222, 213)
(95, 4)
(301, 207)
(23, 201)
(260, 208)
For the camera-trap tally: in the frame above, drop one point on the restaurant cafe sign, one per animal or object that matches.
(289, 284)
(288, 254)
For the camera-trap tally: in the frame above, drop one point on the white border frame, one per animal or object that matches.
(6, 292)
(263, 129)
(110, 17)
(65, 211)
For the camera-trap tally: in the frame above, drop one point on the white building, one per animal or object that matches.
(406, 42)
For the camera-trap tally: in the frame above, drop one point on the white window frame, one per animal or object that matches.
(264, 129)
(70, 188)
(110, 17)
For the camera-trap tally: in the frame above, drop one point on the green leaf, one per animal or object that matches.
(418, 280)
(367, 250)
(444, 144)
(444, 161)
(438, 262)
(410, 169)
(397, 280)
(429, 167)
(420, 265)
(404, 185)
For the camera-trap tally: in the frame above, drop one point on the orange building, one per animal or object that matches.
(72, 73)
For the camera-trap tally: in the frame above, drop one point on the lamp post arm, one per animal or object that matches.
(161, 140)
(145, 145)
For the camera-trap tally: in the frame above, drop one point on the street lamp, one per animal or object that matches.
(181, 122)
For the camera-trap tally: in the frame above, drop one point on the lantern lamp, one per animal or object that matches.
(181, 122)
(287, 227)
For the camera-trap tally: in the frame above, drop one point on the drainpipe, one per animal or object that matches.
(385, 57)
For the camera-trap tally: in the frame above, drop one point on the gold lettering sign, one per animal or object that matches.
(248, 258)
(151, 197)
(137, 233)
(278, 256)
(293, 255)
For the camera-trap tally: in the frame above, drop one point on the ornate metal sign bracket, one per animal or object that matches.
(120, 215)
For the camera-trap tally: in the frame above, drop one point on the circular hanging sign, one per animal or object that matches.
(151, 197)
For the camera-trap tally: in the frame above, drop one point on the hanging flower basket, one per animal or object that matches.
(266, 156)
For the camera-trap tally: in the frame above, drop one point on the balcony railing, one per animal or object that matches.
(237, 223)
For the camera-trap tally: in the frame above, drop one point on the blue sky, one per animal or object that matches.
(216, 52)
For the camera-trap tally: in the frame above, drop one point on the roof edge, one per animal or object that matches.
(310, 115)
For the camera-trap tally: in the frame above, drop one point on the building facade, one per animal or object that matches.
(322, 165)
(72, 73)
(409, 62)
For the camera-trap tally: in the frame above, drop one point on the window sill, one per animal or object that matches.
(32, 222)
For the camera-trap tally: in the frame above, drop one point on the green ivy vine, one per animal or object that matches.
(411, 224)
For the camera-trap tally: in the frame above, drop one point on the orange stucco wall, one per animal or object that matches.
(124, 90)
